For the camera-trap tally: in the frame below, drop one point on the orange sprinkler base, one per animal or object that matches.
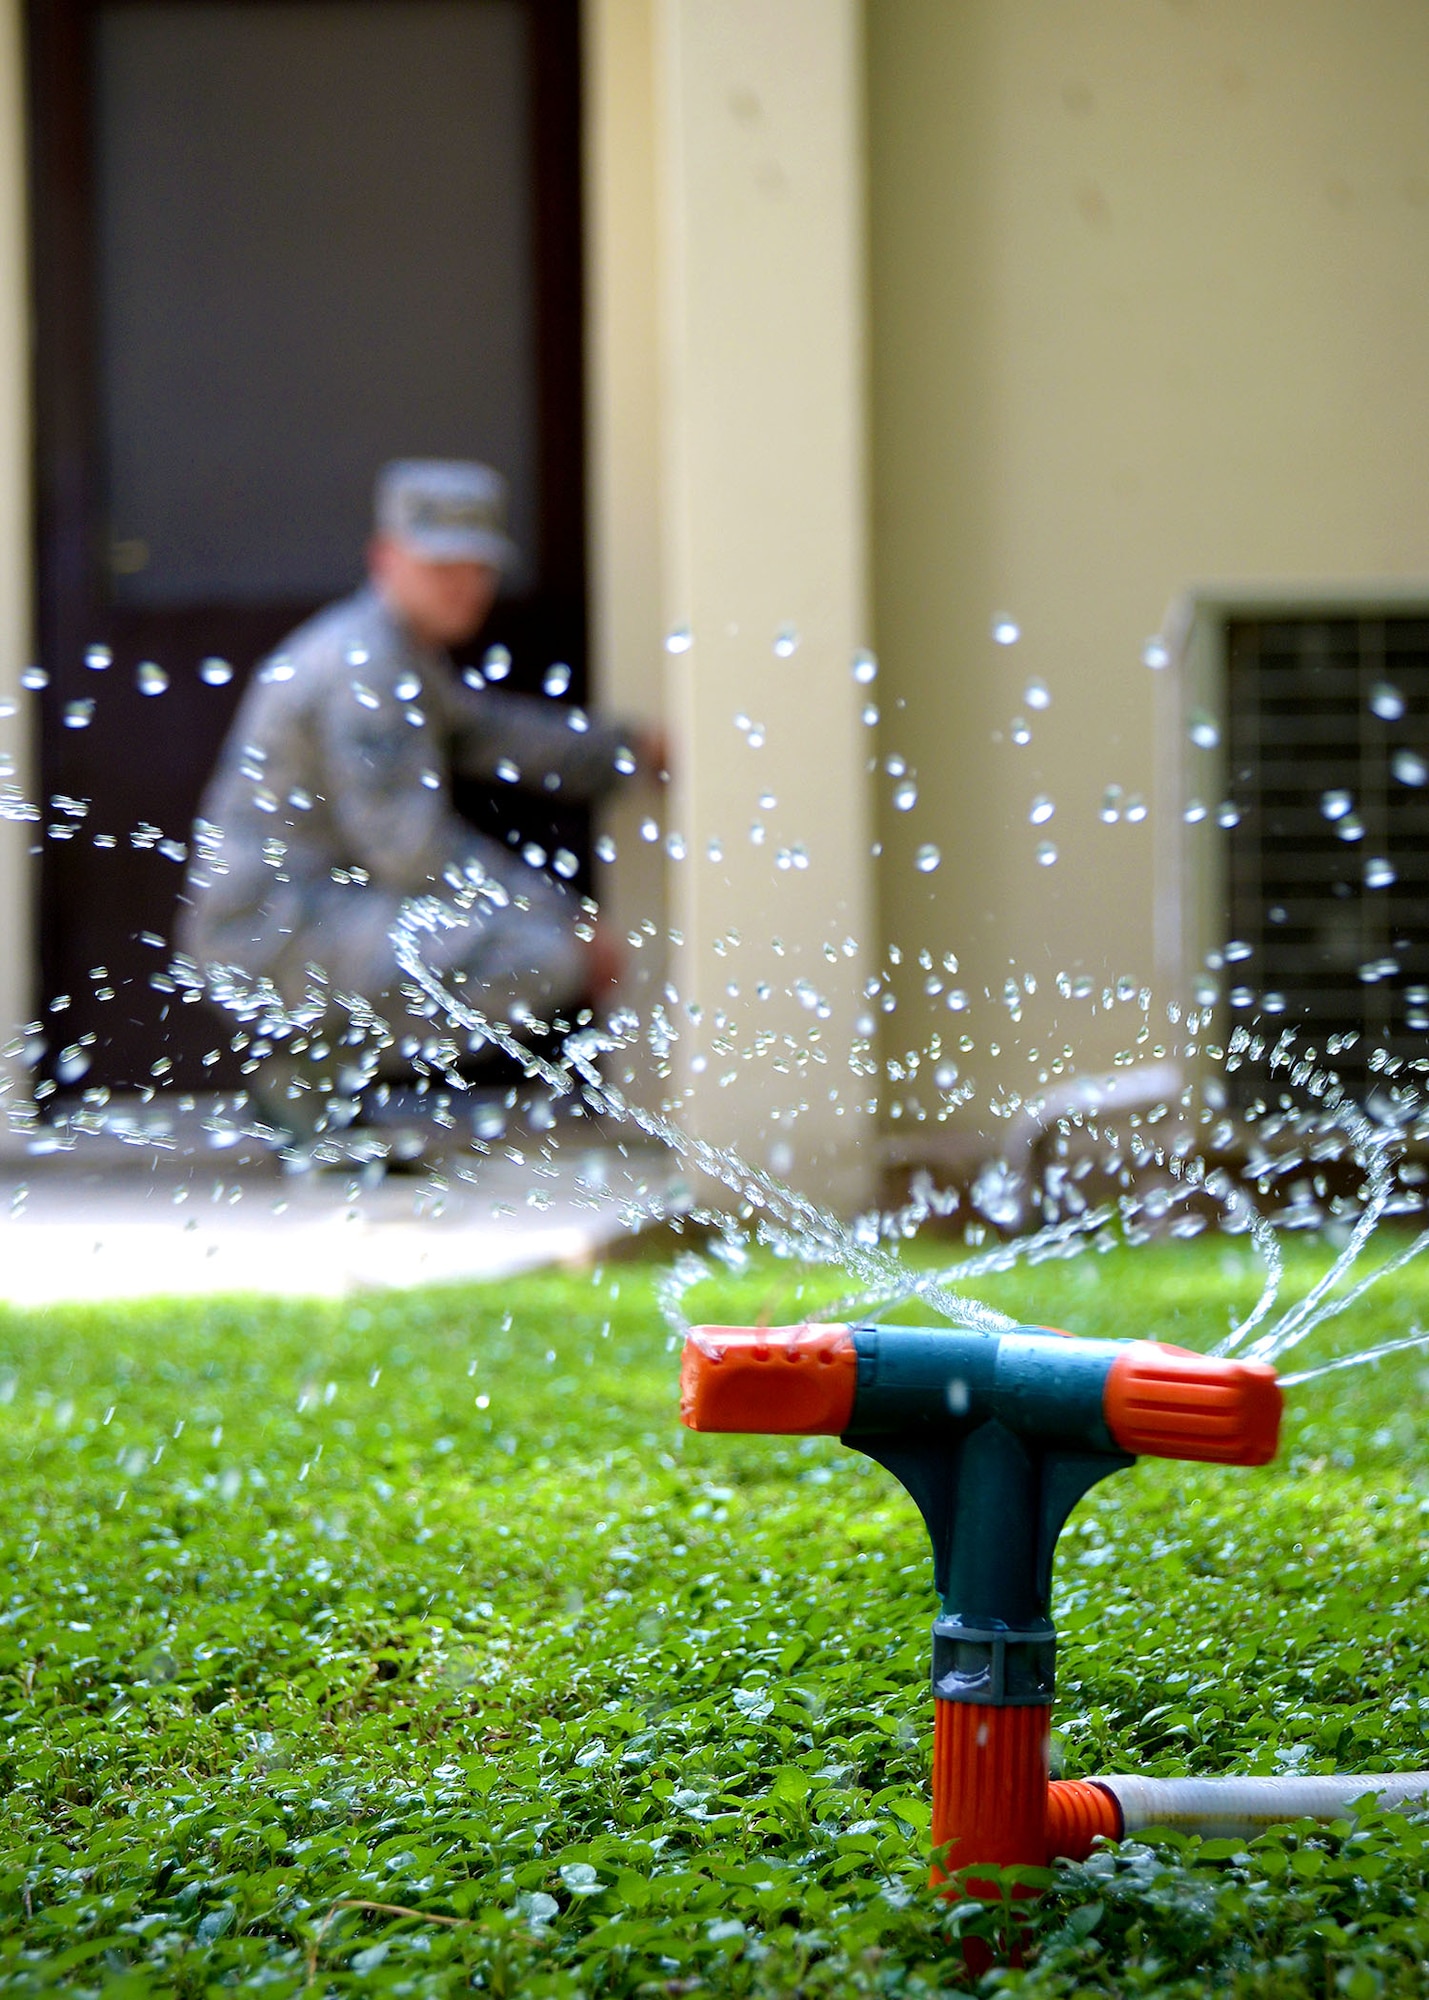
(989, 1786)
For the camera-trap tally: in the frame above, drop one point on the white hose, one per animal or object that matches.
(1240, 1808)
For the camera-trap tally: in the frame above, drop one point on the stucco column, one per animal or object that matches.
(625, 540)
(757, 111)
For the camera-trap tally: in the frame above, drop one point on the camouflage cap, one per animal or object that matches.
(446, 509)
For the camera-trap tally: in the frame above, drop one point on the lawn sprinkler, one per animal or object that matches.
(996, 1436)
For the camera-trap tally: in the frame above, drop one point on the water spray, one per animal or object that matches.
(997, 1436)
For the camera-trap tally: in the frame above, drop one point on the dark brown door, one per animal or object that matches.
(276, 242)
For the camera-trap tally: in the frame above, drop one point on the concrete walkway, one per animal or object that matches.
(186, 1203)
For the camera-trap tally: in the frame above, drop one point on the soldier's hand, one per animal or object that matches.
(605, 962)
(654, 753)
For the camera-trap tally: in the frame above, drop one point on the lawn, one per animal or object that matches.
(407, 1645)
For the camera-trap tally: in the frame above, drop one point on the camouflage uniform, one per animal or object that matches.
(331, 806)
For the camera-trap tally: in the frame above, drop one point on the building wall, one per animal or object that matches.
(1148, 308)
(16, 935)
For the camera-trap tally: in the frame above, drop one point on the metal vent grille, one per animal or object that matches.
(1327, 743)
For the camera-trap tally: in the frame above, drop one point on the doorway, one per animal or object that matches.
(276, 243)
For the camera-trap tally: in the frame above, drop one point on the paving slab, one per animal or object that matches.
(156, 1204)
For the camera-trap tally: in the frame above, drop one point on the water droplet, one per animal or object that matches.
(715, 850)
(675, 846)
(564, 863)
(1237, 950)
(679, 640)
(557, 678)
(474, 677)
(905, 795)
(1379, 872)
(78, 714)
(1111, 805)
(1135, 808)
(756, 834)
(1156, 654)
(34, 678)
(97, 658)
(1020, 731)
(432, 781)
(496, 663)
(1351, 828)
(870, 715)
(1041, 811)
(1386, 701)
(1273, 1003)
(1005, 630)
(1203, 729)
(533, 855)
(1409, 767)
(407, 688)
(865, 666)
(927, 858)
(1241, 996)
(509, 773)
(72, 1063)
(1335, 804)
(367, 696)
(1046, 854)
(649, 830)
(767, 802)
(1194, 813)
(786, 642)
(1228, 813)
(150, 677)
(214, 672)
(1037, 695)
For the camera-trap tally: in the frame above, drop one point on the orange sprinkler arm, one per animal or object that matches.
(792, 1381)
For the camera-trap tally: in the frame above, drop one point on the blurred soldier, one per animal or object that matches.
(331, 803)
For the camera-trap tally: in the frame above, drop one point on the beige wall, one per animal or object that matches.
(16, 940)
(1148, 307)
(748, 517)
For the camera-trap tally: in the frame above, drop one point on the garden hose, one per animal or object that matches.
(1215, 1808)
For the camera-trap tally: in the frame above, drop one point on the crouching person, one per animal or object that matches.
(331, 808)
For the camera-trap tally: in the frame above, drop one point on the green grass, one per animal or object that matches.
(614, 1709)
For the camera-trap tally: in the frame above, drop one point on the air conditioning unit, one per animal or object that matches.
(1293, 852)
